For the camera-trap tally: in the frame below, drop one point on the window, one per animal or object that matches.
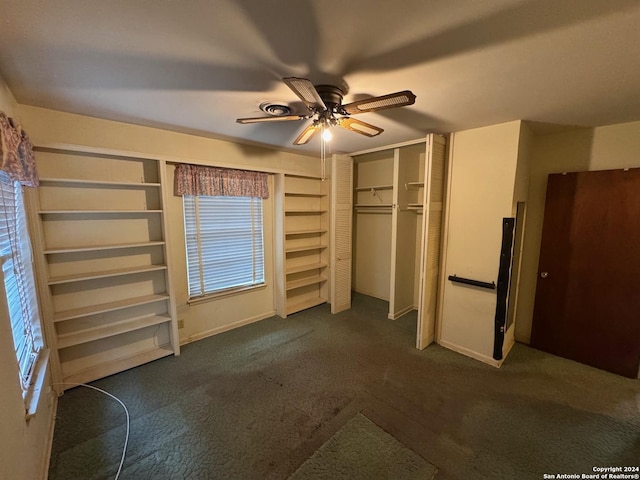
(19, 286)
(224, 239)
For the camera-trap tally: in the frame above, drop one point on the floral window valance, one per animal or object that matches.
(213, 181)
(16, 152)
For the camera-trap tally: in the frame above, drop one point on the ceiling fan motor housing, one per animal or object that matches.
(331, 96)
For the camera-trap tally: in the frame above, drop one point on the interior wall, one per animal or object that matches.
(371, 266)
(51, 126)
(24, 445)
(214, 315)
(482, 174)
(581, 149)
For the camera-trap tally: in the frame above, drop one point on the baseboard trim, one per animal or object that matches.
(226, 328)
(49, 443)
(397, 315)
(470, 353)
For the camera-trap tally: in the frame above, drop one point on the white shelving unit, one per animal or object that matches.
(101, 261)
(303, 242)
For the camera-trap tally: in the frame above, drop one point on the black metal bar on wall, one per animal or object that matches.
(475, 283)
(508, 225)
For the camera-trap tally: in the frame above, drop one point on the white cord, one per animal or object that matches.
(126, 411)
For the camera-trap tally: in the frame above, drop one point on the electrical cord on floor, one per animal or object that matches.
(126, 411)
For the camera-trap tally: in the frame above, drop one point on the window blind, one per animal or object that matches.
(19, 285)
(224, 239)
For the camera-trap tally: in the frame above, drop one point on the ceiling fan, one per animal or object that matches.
(324, 103)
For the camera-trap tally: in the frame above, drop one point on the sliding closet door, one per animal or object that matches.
(341, 218)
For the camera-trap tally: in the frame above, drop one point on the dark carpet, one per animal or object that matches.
(259, 401)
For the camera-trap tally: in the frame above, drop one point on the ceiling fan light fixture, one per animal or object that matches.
(326, 135)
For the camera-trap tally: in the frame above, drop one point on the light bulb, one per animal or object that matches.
(326, 135)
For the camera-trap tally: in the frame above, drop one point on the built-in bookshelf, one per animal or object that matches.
(102, 266)
(302, 204)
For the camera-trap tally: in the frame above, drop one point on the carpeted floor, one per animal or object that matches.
(259, 401)
(361, 451)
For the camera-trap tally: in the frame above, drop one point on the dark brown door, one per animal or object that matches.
(587, 304)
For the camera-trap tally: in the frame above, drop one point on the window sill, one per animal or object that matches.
(32, 397)
(225, 293)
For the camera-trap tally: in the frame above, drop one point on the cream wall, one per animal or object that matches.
(212, 316)
(482, 176)
(583, 149)
(373, 231)
(24, 445)
(215, 316)
(50, 126)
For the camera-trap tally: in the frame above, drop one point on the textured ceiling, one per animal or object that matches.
(197, 65)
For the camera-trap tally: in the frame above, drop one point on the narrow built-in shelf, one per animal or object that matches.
(296, 307)
(304, 212)
(49, 251)
(105, 274)
(304, 194)
(77, 181)
(413, 184)
(109, 330)
(107, 307)
(93, 212)
(373, 205)
(305, 268)
(304, 232)
(305, 249)
(83, 375)
(374, 187)
(303, 282)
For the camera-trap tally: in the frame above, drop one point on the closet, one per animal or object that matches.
(102, 262)
(398, 195)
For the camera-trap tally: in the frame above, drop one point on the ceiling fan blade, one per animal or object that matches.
(306, 91)
(306, 135)
(393, 100)
(358, 126)
(275, 118)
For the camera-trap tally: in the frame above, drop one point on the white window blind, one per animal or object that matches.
(224, 239)
(17, 272)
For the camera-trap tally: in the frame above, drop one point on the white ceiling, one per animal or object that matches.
(197, 65)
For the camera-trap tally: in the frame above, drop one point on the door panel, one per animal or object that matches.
(341, 231)
(588, 294)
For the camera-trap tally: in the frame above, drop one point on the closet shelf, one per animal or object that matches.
(80, 182)
(305, 249)
(98, 212)
(305, 268)
(304, 212)
(107, 307)
(83, 375)
(104, 274)
(413, 185)
(304, 194)
(303, 282)
(109, 330)
(101, 247)
(296, 307)
(374, 187)
(373, 205)
(305, 232)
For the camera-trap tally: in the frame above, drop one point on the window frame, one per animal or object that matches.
(15, 247)
(192, 214)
